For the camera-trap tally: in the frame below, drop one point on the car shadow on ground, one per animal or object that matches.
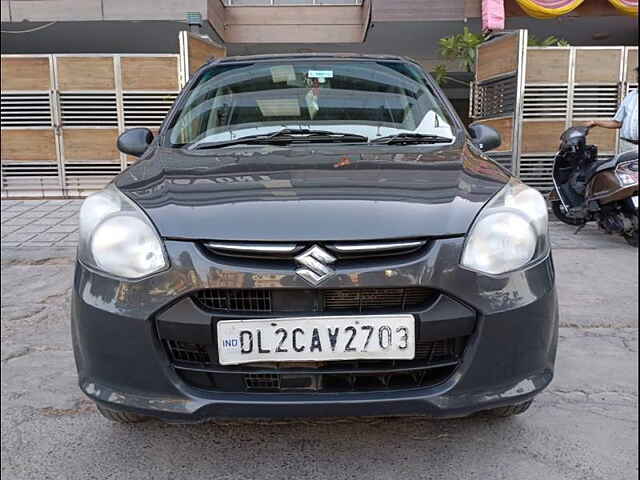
(326, 448)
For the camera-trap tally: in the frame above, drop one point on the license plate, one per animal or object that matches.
(313, 339)
(635, 201)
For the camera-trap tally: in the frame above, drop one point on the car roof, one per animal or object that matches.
(309, 56)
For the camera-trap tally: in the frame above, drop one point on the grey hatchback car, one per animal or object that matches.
(313, 235)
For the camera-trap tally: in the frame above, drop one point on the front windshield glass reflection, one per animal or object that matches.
(370, 98)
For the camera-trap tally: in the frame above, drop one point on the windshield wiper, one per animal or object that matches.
(285, 137)
(411, 138)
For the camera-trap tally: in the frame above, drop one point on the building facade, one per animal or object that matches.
(76, 73)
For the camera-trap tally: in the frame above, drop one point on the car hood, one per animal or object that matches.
(313, 194)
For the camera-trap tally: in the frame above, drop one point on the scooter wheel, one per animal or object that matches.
(632, 238)
(560, 213)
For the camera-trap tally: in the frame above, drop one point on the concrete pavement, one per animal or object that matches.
(585, 426)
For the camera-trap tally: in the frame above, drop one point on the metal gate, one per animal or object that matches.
(61, 114)
(532, 94)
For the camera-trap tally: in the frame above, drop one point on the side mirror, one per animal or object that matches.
(135, 141)
(484, 137)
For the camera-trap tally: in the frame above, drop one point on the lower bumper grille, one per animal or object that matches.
(434, 362)
(267, 301)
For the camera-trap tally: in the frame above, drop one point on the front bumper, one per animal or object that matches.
(509, 356)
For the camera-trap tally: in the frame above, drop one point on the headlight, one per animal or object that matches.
(117, 238)
(510, 232)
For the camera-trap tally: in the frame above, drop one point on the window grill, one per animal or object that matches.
(495, 98)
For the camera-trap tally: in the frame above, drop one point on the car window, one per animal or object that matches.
(367, 98)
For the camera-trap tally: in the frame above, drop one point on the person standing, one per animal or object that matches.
(626, 120)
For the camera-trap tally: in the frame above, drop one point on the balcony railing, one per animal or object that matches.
(289, 3)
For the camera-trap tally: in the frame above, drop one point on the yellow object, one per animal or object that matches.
(626, 7)
(536, 10)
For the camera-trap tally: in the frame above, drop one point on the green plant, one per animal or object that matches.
(441, 74)
(462, 47)
(551, 41)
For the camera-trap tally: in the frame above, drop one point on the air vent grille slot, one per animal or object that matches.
(89, 109)
(595, 101)
(146, 109)
(545, 101)
(25, 109)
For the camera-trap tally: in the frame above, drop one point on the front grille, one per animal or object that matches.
(313, 301)
(262, 381)
(287, 251)
(188, 352)
(374, 298)
(227, 300)
(434, 362)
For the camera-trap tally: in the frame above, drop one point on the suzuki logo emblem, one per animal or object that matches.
(315, 260)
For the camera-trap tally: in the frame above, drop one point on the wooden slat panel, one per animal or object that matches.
(541, 137)
(604, 138)
(28, 145)
(505, 127)
(149, 73)
(287, 17)
(632, 64)
(294, 33)
(90, 144)
(25, 73)
(497, 57)
(417, 10)
(472, 8)
(548, 66)
(598, 66)
(201, 50)
(85, 73)
(216, 13)
(301, 24)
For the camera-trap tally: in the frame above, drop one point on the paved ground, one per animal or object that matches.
(584, 426)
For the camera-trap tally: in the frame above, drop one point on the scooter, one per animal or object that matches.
(588, 189)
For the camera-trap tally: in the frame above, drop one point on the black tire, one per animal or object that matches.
(632, 238)
(510, 410)
(558, 211)
(121, 417)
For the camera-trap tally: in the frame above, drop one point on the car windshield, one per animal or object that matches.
(369, 98)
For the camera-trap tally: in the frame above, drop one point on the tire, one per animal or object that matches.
(558, 211)
(632, 238)
(509, 410)
(121, 417)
